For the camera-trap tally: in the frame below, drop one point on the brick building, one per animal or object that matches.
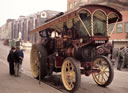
(120, 31)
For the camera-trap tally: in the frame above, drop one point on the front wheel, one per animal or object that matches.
(70, 74)
(105, 75)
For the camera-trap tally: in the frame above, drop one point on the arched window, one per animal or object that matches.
(112, 20)
(99, 23)
(84, 26)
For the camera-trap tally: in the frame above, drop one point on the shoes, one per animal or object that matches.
(12, 74)
(118, 68)
(17, 75)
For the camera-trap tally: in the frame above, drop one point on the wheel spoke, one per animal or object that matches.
(98, 76)
(71, 83)
(73, 76)
(106, 74)
(67, 75)
(106, 71)
(103, 77)
(105, 67)
(68, 66)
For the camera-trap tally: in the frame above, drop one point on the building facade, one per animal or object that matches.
(120, 30)
(19, 29)
(6, 30)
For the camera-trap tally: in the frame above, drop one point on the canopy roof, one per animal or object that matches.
(108, 11)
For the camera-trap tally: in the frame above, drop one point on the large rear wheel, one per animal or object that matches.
(38, 60)
(70, 74)
(105, 75)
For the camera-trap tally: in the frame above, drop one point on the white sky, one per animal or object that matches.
(14, 8)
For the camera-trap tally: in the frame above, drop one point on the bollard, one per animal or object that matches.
(39, 57)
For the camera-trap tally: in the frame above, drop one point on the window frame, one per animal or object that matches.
(70, 5)
(117, 31)
(75, 3)
(125, 27)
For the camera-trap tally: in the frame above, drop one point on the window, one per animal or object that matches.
(75, 3)
(70, 6)
(92, 1)
(23, 31)
(86, 19)
(119, 27)
(36, 23)
(28, 30)
(126, 27)
(99, 23)
(85, 1)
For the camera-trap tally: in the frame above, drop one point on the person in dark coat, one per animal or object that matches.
(10, 59)
(121, 58)
(126, 58)
(17, 61)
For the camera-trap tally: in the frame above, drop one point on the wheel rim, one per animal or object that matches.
(68, 75)
(34, 62)
(102, 77)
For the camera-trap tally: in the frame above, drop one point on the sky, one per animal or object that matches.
(15, 8)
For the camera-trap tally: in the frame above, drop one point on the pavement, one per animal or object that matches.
(23, 84)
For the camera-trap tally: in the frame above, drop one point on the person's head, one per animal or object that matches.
(13, 48)
(122, 47)
(17, 48)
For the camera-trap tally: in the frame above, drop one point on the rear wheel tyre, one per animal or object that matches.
(106, 74)
(70, 74)
(38, 54)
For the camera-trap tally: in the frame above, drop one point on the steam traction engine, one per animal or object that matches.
(68, 45)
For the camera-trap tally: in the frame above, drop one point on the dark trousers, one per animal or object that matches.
(120, 64)
(11, 68)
